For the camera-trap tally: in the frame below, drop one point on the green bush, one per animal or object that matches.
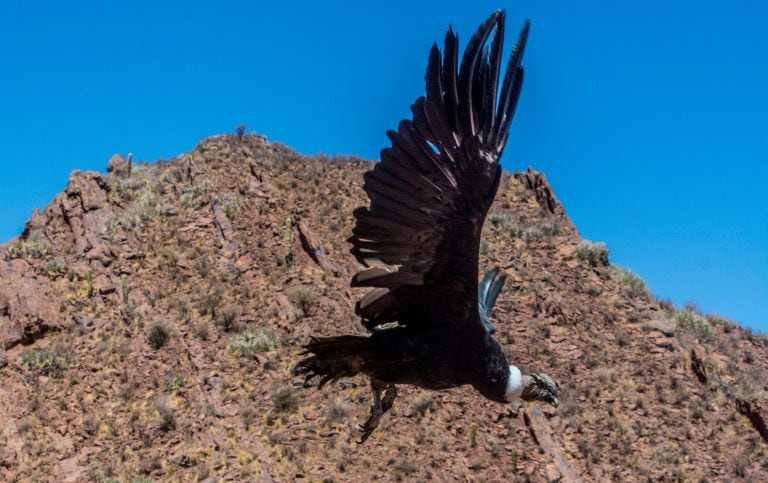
(48, 362)
(594, 253)
(33, 246)
(251, 342)
(504, 221)
(540, 230)
(56, 266)
(634, 285)
(694, 322)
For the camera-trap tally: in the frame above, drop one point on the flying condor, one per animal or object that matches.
(419, 240)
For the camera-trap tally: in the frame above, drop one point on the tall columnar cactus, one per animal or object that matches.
(130, 164)
(288, 241)
(126, 289)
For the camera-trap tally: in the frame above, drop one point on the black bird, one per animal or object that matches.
(420, 238)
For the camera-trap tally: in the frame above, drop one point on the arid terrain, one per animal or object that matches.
(150, 318)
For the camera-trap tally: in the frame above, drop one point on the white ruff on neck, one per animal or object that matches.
(514, 384)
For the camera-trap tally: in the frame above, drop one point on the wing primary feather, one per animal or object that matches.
(509, 94)
(494, 64)
(449, 80)
(467, 115)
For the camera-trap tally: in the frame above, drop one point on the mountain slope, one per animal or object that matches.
(149, 319)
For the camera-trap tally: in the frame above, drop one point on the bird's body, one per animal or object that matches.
(434, 359)
(419, 239)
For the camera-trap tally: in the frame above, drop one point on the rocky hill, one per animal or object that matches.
(150, 317)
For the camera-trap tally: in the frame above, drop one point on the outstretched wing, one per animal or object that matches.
(431, 191)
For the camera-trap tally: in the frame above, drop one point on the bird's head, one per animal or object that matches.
(540, 387)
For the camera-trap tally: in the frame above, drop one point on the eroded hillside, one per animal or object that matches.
(150, 317)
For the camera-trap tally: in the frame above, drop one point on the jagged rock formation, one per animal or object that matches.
(149, 319)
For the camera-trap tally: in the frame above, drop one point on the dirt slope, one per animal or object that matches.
(149, 319)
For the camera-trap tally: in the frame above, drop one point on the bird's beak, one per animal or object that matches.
(554, 402)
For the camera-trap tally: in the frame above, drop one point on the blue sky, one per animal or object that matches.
(647, 117)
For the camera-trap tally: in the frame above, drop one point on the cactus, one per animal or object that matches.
(126, 289)
(130, 164)
(288, 241)
(89, 284)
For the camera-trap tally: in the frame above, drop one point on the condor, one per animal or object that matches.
(419, 240)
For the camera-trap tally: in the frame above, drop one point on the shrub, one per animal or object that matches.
(503, 221)
(209, 302)
(285, 400)
(56, 266)
(198, 195)
(301, 298)
(540, 231)
(634, 285)
(158, 335)
(422, 404)
(141, 190)
(694, 322)
(232, 203)
(165, 418)
(527, 232)
(594, 253)
(144, 208)
(48, 362)
(251, 342)
(225, 317)
(335, 411)
(33, 246)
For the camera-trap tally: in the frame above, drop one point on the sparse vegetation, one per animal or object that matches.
(189, 413)
(302, 298)
(252, 342)
(55, 267)
(48, 362)
(632, 283)
(198, 195)
(33, 246)
(226, 316)
(141, 194)
(594, 253)
(528, 232)
(696, 323)
(232, 204)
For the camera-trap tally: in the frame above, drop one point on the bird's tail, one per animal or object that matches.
(332, 358)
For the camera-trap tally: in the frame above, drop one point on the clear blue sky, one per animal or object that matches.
(647, 117)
